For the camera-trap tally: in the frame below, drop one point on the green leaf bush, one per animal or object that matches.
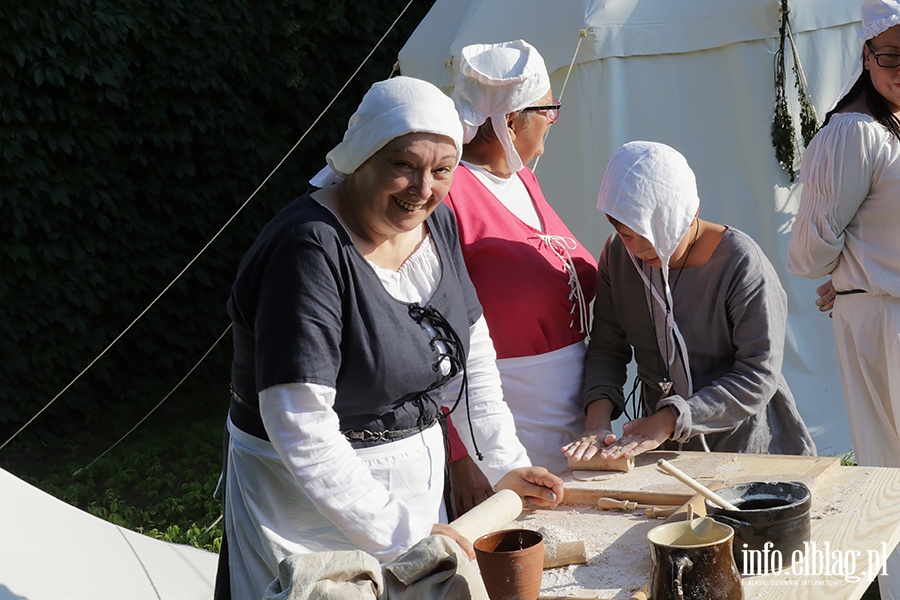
(159, 481)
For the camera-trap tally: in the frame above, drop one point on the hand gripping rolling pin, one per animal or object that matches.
(499, 511)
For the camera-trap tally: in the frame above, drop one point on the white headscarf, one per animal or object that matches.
(495, 80)
(391, 109)
(650, 188)
(877, 17)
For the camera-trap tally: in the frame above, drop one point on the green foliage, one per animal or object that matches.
(784, 138)
(848, 459)
(159, 481)
(130, 132)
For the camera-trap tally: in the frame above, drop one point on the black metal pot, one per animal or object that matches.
(770, 528)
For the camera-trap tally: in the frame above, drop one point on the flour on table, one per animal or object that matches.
(616, 545)
(553, 534)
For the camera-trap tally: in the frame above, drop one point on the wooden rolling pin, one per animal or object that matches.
(500, 510)
(660, 512)
(652, 511)
(496, 512)
(560, 554)
(695, 485)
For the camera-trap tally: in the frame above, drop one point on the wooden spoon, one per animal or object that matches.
(695, 485)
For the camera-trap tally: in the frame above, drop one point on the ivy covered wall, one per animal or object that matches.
(130, 132)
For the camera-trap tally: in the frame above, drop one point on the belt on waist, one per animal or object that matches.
(246, 418)
(365, 437)
(847, 292)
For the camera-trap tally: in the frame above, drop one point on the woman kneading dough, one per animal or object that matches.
(702, 311)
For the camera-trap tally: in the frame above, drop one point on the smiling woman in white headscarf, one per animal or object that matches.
(702, 311)
(352, 313)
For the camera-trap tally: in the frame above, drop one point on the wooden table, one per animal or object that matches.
(855, 512)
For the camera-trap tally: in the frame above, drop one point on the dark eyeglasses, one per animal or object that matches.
(884, 60)
(551, 111)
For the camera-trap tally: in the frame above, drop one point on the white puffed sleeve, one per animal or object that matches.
(836, 175)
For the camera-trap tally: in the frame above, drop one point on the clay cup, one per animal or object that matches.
(511, 562)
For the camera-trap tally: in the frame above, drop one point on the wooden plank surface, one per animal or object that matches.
(858, 511)
(647, 484)
(618, 555)
(855, 510)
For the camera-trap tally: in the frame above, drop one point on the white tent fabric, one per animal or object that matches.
(697, 75)
(50, 550)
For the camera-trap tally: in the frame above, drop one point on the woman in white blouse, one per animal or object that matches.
(848, 226)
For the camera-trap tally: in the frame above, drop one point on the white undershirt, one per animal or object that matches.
(511, 192)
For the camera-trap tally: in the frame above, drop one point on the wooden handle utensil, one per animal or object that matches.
(660, 512)
(615, 504)
(695, 485)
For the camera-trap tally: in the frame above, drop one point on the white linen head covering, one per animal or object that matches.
(495, 80)
(650, 188)
(391, 109)
(877, 17)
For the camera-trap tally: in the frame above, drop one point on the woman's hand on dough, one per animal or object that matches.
(535, 484)
(642, 435)
(589, 444)
(598, 431)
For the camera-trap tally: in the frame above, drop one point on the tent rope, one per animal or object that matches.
(160, 403)
(809, 122)
(581, 35)
(213, 239)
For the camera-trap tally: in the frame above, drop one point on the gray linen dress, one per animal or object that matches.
(732, 313)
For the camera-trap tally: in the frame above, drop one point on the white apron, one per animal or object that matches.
(544, 395)
(271, 518)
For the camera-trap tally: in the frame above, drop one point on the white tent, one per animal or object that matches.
(697, 75)
(50, 550)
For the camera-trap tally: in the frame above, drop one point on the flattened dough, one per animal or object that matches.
(595, 475)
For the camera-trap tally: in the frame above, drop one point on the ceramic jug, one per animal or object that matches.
(692, 560)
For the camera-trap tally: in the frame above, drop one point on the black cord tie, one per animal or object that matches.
(634, 401)
(455, 355)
